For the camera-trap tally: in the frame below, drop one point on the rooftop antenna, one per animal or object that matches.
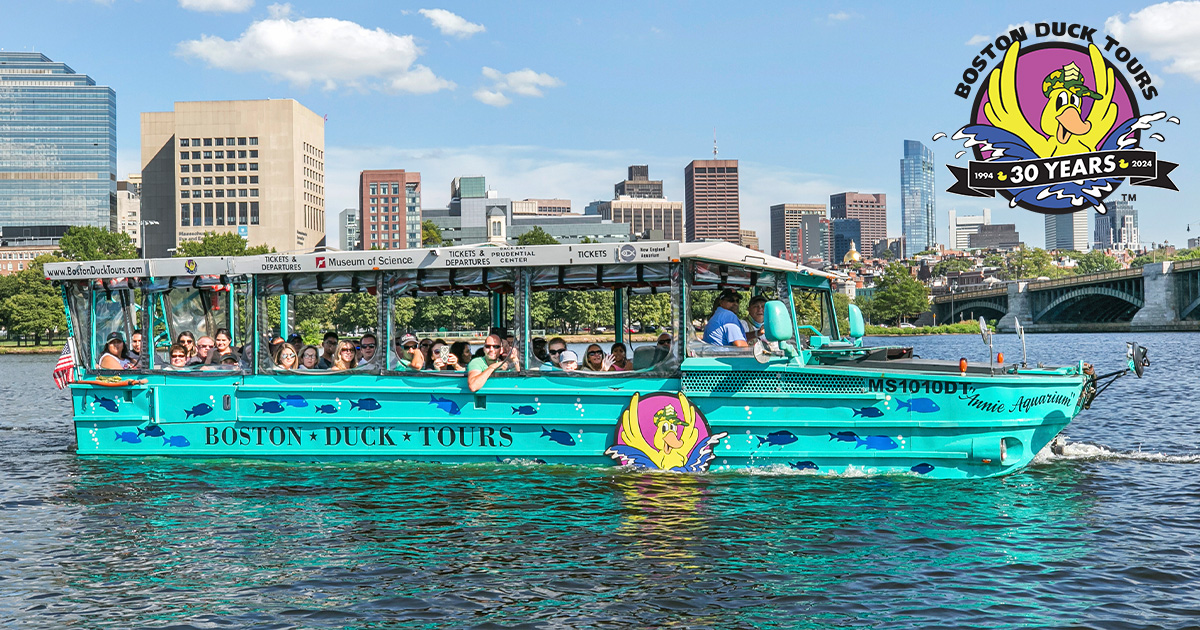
(714, 143)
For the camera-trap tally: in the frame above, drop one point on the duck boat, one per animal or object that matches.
(806, 396)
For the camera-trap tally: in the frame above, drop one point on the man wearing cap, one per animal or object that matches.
(755, 312)
(724, 327)
(481, 368)
(408, 357)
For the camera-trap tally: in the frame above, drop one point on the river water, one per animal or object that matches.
(1105, 536)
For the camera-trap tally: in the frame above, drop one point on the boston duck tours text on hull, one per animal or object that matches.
(798, 393)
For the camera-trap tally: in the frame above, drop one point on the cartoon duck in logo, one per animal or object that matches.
(664, 431)
(1063, 129)
(1059, 100)
(189, 265)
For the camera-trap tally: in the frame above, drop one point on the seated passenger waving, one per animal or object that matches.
(724, 327)
(481, 368)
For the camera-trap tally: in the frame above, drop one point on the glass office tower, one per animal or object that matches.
(58, 146)
(917, 198)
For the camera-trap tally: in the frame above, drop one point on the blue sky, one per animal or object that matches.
(556, 99)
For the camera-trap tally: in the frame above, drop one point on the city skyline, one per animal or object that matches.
(499, 94)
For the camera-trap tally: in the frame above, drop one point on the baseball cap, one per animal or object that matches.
(407, 338)
(729, 294)
(568, 355)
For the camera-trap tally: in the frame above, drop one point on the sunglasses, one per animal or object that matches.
(491, 345)
(204, 345)
(186, 341)
(288, 356)
(350, 350)
(558, 351)
(665, 342)
(425, 344)
(177, 356)
(410, 347)
(369, 345)
(595, 352)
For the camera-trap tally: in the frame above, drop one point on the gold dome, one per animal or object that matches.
(852, 256)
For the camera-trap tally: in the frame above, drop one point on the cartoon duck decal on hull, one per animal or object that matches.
(664, 431)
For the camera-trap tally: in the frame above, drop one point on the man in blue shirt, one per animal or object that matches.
(724, 327)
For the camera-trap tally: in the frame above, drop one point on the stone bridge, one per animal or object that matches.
(1156, 297)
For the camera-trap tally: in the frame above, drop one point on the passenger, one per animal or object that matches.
(296, 340)
(178, 357)
(554, 351)
(459, 357)
(620, 362)
(346, 357)
(222, 349)
(755, 313)
(724, 328)
(308, 358)
(664, 341)
(481, 368)
(115, 357)
(425, 346)
(538, 348)
(287, 359)
(410, 357)
(188, 341)
(595, 361)
(329, 345)
(569, 361)
(229, 362)
(433, 352)
(366, 346)
(204, 345)
(135, 351)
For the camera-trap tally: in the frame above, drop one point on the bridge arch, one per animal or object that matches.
(1090, 303)
(989, 309)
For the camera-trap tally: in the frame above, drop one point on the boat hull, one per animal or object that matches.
(812, 419)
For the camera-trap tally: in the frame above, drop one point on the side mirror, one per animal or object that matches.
(777, 322)
(857, 327)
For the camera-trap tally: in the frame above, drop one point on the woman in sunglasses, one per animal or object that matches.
(178, 357)
(594, 359)
(287, 357)
(346, 357)
(188, 341)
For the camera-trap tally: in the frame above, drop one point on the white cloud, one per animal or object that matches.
(840, 16)
(217, 6)
(1169, 31)
(326, 51)
(976, 40)
(452, 24)
(524, 82)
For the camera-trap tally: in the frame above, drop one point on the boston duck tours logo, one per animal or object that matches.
(1055, 127)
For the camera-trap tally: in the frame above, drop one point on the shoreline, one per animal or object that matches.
(30, 349)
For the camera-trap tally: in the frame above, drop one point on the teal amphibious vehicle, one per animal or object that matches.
(805, 395)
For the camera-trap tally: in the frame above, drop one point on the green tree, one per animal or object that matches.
(898, 295)
(431, 235)
(93, 243)
(405, 311)
(953, 264)
(1095, 261)
(536, 236)
(651, 309)
(30, 304)
(993, 260)
(220, 244)
(886, 254)
(1030, 263)
(355, 312)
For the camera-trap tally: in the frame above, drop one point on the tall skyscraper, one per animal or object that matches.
(870, 210)
(638, 185)
(844, 232)
(1118, 229)
(812, 238)
(58, 145)
(962, 227)
(349, 232)
(252, 168)
(711, 200)
(1067, 231)
(389, 204)
(785, 220)
(917, 212)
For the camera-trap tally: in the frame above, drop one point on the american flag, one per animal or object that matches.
(64, 370)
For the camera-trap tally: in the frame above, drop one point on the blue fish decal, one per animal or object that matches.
(919, 405)
(804, 466)
(197, 411)
(524, 410)
(922, 469)
(326, 409)
(877, 443)
(445, 404)
(106, 403)
(176, 440)
(366, 404)
(868, 412)
(152, 431)
(561, 437)
(843, 436)
(293, 400)
(269, 407)
(129, 437)
(778, 438)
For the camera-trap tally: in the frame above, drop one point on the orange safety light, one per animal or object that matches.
(1000, 358)
(962, 365)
